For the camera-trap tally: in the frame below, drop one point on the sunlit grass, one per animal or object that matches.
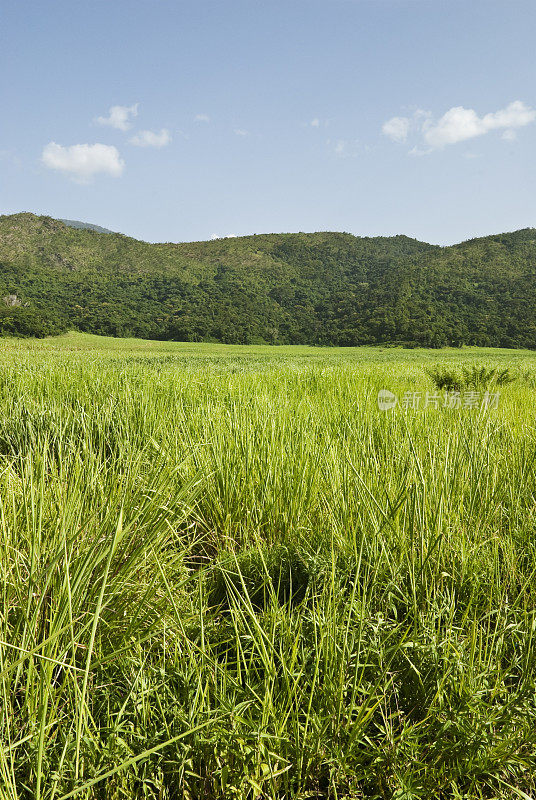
(226, 573)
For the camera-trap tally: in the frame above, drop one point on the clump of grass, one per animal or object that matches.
(445, 379)
(473, 377)
(482, 378)
(280, 573)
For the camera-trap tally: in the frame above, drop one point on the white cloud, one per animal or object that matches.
(151, 138)
(458, 124)
(515, 115)
(347, 148)
(397, 128)
(120, 117)
(202, 118)
(315, 123)
(83, 161)
(419, 151)
(241, 132)
(227, 236)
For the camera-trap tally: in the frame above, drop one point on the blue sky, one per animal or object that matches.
(375, 117)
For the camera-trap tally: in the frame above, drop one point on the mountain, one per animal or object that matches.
(295, 288)
(74, 223)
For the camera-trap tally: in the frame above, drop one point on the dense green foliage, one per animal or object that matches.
(320, 288)
(226, 574)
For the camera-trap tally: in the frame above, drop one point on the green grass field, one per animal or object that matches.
(225, 573)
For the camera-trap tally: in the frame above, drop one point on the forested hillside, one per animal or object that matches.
(75, 223)
(319, 288)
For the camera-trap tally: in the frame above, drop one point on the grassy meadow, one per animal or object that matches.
(225, 573)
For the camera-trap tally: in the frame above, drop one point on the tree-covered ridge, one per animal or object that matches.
(75, 223)
(298, 288)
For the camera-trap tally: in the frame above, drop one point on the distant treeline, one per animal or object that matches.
(319, 288)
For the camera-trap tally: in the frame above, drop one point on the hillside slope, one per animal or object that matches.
(75, 223)
(319, 288)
